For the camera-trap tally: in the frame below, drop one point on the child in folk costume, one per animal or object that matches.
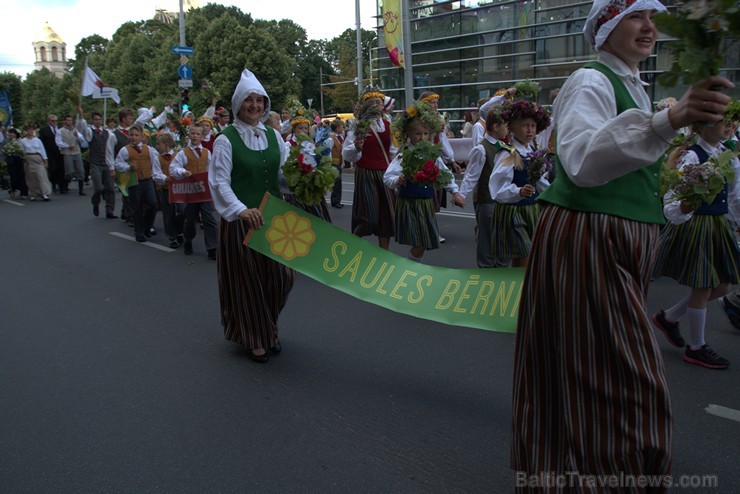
(513, 189)
(189, 161)
(415, 221)
(209, 135)
(337, 140)
(142, 162)
(173, 214)
(370, 147)
(698, 249)
(477, 180)
(300, 128)
(484, 106)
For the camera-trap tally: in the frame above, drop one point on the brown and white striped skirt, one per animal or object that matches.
(252, 288)
(372, 204)
(589, 393)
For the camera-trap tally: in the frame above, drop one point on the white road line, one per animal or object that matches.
(14, 203)
(148, 244)
(724, 412)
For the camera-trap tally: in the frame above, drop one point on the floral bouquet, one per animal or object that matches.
(179, 125)
(528, 90)
(419, 164)
(695, 184)
(308, 171)
(700, 28)
(14, 148)
(208, 91)
(540, 163)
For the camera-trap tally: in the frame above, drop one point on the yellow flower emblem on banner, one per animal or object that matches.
(290, 236)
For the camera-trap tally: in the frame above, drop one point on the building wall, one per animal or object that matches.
(465, 50)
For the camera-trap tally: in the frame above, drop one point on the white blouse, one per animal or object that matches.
(594, 144)
(33, 145)
(349, 153)
(394, 171)
(502, 188)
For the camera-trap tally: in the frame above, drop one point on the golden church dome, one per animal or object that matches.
(47, 35)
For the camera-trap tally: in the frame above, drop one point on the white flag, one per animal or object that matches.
(93, 86)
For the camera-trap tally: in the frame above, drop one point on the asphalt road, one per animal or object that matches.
(115, 377)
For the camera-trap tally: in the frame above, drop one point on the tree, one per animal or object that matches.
(289, 35)
(311, 62)
(343, 92)
(348, 39)
(91, 49)
(11, 83)
(42, 94)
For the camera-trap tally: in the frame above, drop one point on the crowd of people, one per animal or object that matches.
(588, 230)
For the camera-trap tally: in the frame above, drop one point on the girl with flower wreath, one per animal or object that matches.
(513, 188)
(369, 145)
(697, 248)
(415, 219)
(299, 134)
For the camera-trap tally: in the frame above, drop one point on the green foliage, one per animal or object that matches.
(419, 164)
(11, 83)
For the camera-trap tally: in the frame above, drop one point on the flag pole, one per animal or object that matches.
(359, 48)
(408, 71)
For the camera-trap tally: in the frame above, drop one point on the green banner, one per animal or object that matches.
(477, 298)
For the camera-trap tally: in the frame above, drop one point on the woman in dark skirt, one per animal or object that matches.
(15, 165)
(253, 289)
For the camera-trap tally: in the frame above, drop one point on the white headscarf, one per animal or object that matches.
(606, 14)
(249, 84)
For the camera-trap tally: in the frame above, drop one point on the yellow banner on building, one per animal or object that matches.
(393, 31)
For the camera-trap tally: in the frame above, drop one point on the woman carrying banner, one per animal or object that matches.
(590, 395)
(247, 157)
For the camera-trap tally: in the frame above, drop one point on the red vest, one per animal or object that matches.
(372, 153)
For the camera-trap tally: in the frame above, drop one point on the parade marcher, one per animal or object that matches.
(484, 106)
(48, 136)
(337, 137)
(697, 248)
(173, 214)
(222, 119)
(36, 164)
(68, 141)
(415, 220)
(102, 161)
(514, 188)
(477, 179)
(125, 120)
(252, 288)
(139, 158)
(13, 151)
(285, 126)
(470, 117)
(589, 390)
(299, 125)
(191, 160)
(209, 135)
(371, 152)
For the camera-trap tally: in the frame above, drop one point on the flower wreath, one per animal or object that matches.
(526, 109)
(429, 98)
(420, 110)
(298, 112)
(372, 92)
(733, 112)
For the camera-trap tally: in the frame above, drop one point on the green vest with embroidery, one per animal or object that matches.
(484, 192)
(634, 196)
(254, 172)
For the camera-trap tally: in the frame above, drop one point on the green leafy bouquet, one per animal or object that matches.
(527, 89)
(14, 148)
(694, 184)
(419, 164)
(308, 170)
(700, 27)
(367, 114)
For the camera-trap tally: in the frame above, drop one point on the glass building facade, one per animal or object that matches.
(465, 50)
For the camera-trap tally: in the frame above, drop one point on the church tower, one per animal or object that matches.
(51, 51)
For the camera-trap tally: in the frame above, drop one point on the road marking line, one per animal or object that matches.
(724, 412)
(148, 244)
(13, 202)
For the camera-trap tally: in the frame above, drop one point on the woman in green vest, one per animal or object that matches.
(589, 394)
(247, 157)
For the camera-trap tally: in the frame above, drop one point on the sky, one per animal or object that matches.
(75, 19)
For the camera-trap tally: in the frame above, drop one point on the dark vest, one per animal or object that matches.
(121, 141)
(253, 172)
(634, 196)
(97, 147)
(521, 178)
(719, 205)
(484, 192)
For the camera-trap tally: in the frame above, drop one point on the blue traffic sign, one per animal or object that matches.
(185, 72)
(182, 50)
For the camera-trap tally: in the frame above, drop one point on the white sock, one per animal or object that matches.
(697, 319)
(410, 256)
(679, 310)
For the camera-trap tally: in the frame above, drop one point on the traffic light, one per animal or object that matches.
(184, 100)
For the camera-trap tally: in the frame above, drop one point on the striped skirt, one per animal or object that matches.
(416, 224)
(700, 253)
(319, 210)
(372, 204)
(252, 289)
(589, 393)
(513, 228)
